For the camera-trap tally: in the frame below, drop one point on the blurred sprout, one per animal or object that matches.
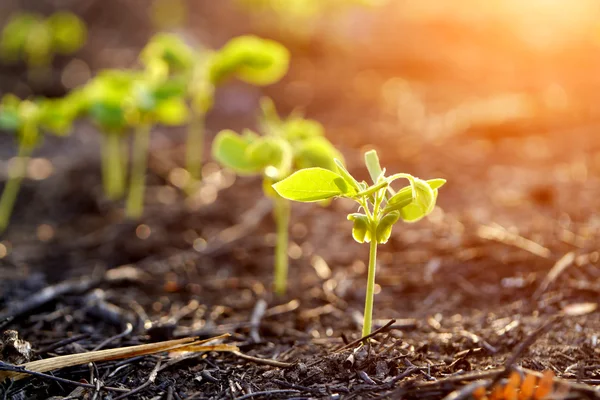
(171, 49)
(27, 119)
(285, 146)
(120, 100)
(380, 207)
(249, 58)
(68, 32)
(34, 39)
(252, 59)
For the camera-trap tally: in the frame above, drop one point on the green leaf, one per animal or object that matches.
(68, 32)
(313, 184)
(252, 59)
(174, 87)
(317, 152)
(347, 176)
(273, 154)
(9, 120)
(57, 116)
(14, 35)
(297, 128)
(422, 204)
(109, 116)
(172, 112)
(360, 229)
(171, 49)
(384, 228)
(229, 149)
(373, 166)
(400, 200)
(436, 183)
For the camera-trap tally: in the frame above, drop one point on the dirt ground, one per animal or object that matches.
(504, 274)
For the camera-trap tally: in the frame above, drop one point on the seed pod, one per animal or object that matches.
(384, 228)
(360, 231)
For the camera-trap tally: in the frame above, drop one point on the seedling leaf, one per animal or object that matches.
(422, 204)
(373, 166)
(229, 149)
(313, 184)
(317, 152)
(172, 112)
(384, 228)
(360, 229)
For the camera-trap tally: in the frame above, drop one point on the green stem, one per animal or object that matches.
(368, 317)
(11, 189)
(195, 146)
(282, 220)
(135, 200)
(113, 177)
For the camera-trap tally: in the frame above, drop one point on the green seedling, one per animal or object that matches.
(284, 147)
(104, 98)
(119, 101)
(35, 39)
(27, 119)
(379, 205)
(248, 58)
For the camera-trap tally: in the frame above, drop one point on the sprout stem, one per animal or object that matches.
(113, 177)
(368, 317)
(282, 220)
(16, 174)
(135, 201)
(195, 146)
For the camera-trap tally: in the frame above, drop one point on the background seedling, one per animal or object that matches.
(248, 58)
(27, 119)
(285, 146)
(380, 207)
(120, 101)
(104, 99)
(36, 40)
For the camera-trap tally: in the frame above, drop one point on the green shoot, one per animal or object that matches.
(121, 101)
(37, 39)
(27, 119)
(379, 207)
(248, 58)
(284, 147)
(104, 98)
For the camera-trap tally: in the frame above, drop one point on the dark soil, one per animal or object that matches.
(467, 287)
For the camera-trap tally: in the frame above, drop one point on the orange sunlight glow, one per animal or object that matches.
(542, 23)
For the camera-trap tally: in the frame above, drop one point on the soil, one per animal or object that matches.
(469, 288)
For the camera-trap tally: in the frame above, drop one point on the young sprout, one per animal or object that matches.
(284, 147)
(36, 39)
(118, 101)
(27, 119)
(379, 206)
(249, 58)
(104, 98)
(154, 99)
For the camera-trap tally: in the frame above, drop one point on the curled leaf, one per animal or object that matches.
(171, 49)
(384, 228)
(422, 204)
(360, 229)
(252, 59)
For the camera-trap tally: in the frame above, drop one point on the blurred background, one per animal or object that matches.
(500, 97)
